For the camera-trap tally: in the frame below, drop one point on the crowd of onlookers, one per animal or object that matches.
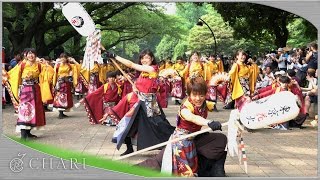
(299, 64)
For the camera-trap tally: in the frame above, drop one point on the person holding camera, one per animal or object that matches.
(312, 56)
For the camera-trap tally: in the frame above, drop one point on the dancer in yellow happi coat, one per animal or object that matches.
(195, 68)
(65, 76)
(24, 88)
(241, 79)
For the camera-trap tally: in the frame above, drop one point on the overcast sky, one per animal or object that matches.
(169, 7)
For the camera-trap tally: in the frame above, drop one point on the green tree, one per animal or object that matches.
(190, 12)
(201, 39)
(186, 17)
(166, 47)
(42, 25)
(299, 33)
(257, 22)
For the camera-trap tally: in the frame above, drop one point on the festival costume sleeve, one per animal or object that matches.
(120, 87)
(75, 74)
(220, 66)
(237, 90)
(14, 81)
(207, 72)
(111, 68)
(94, 103)
(102, 75)
(255, 72)
(103, 72)
(264, 89)
(50, 74)
(183, 73)
(124, 105)
(252, 79)
(295, 89)
(45, 78)
(84, 73)
(55, 76)
(266, 93)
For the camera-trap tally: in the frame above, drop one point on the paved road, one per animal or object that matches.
(271, 153)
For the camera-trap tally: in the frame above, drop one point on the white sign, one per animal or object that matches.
(274, 109)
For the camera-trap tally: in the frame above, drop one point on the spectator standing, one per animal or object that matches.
(15, 60)
(312, 56)
(281, 60)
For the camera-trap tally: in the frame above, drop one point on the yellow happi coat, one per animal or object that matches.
(220, 66)
(15, 76)
(96, 69)
(162, 66)
(213, 66)
(46, 79)
(65, 70)
(255, 73)
(167, 65)
(178, 67)
(196, 68)
(235, 73)
(104, 70)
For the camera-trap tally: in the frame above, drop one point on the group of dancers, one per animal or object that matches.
(133, 102)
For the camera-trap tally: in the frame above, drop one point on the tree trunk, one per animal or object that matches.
(281, 33)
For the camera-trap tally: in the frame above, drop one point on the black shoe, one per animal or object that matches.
(227, 107)
(215, 109)
(230, 105)
(301, 127)
(205, 166)
(128, 151)
(177, 102)
(47, 110)
(32, 136)
(29, 135)
(24, 134)
(218, 166)
(61, 115)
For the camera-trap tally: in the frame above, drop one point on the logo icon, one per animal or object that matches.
(77, 21)
(16, 164)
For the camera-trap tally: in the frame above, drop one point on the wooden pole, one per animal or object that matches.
(124, 73)
(168, 142)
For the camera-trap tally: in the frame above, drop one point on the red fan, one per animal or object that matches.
(220, 81)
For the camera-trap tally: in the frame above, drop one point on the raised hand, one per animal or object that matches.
(109, 54)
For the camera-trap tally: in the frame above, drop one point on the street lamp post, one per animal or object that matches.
(200, 23)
